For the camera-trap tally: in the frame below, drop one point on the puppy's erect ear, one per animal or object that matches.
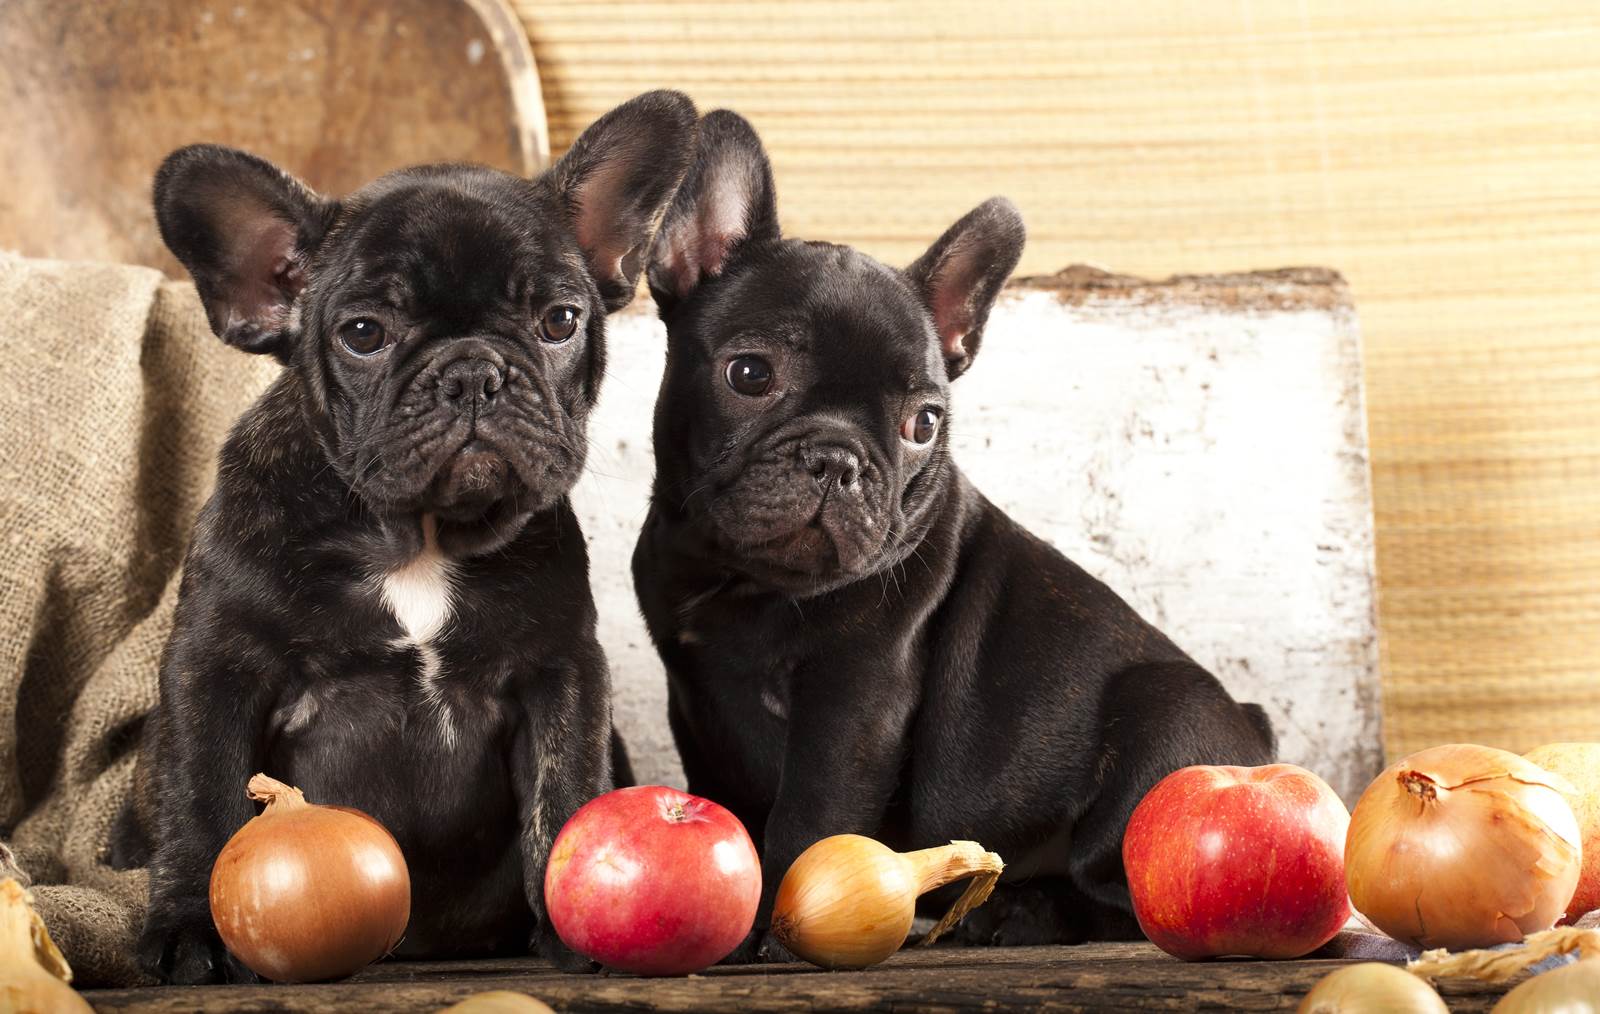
(245, 230)
(961, 274)
(727, 200)
(616, 181)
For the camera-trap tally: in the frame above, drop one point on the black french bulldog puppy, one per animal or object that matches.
(855, 639)
(386, 601)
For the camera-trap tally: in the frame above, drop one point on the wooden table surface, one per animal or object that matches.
(1093, 977)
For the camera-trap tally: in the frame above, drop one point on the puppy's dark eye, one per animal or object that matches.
(363, 336)
(750, 375)
(920, 428)
(559, 324)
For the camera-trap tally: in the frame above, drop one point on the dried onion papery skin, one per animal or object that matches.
(1372, 988)
(1569, 989)
(1579, 763)
(33, 973)
(1463, 846)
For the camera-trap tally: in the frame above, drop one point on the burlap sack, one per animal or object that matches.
(114, 400)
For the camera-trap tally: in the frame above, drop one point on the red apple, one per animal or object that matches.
(1579, 763)
(653, 881)
(1231, 860)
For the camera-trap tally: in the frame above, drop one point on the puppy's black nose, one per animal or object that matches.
(831, 464)
(469, 383)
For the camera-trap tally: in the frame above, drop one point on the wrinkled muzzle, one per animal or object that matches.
(810, 503)
(472, 432)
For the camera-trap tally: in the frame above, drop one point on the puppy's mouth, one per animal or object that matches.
(471, 483)
(826, 539)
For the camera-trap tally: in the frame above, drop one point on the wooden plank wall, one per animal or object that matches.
(1444, 156)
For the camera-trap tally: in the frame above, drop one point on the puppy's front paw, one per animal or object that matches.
(774, 953)
(189, 954)
(1017, 916)
(759, 947)
(549, 947)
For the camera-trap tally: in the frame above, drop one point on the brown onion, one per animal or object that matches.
(303, 893)
(849, 901)
(1371, 988)
(1463, 846)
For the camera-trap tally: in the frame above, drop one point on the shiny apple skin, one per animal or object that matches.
(1238, 861)
(653, 881)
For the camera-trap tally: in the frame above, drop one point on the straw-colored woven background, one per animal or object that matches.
(1444, 155)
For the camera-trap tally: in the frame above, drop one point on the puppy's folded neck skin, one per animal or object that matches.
(800, 433)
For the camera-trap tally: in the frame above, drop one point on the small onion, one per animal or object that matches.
(1570, 989)
(1372, 988)
(303, 893)
(33, 974)
(498, 1001)
(1463, 846)
(848, 901)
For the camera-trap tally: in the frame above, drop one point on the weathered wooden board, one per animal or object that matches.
(1091, 978)
(1197, 443)
(94, 93)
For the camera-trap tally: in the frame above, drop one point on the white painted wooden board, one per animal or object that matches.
(1199, 444)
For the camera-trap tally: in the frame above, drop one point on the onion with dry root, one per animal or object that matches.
(848, 901)
(33, 974)
(1372, 988)
(1572, 988)
(1463, 846)
(303, 893)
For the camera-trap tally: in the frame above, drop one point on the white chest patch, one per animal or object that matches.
(420, 593)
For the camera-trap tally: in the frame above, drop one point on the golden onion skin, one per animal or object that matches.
(847, 902)
(498, 1001)
(1570, 989)
(1463, 846)
(304, 893)
(1371, 988)
(34, 975)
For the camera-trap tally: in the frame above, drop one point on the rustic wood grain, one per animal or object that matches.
(1444, 156)
(96, 92)
(1091, 978)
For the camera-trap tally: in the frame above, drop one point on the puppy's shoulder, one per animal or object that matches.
(271, 465)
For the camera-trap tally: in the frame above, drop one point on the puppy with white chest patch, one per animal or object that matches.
(386, 601)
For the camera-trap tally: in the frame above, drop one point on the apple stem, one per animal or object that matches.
(936, 867)
(266, 789)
